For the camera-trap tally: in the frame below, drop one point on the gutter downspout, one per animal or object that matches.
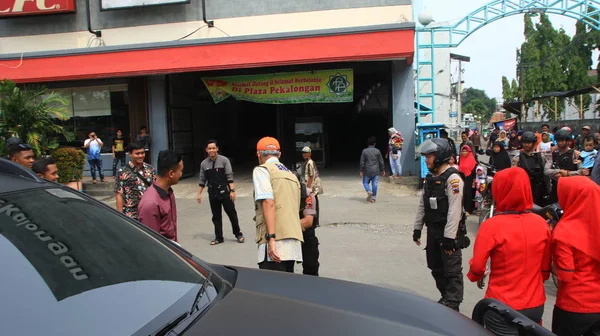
(210, 23)
(98, 33)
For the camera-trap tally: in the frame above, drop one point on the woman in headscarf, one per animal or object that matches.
(503, 139)
(518, 244)
(499, 158)
(514, 144)
(576, 256)
(466, 166)
(545, 147)
(395, 151)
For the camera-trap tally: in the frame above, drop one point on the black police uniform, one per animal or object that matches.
(534, 166)
(310, 246)
(561, 161)
(445, 269)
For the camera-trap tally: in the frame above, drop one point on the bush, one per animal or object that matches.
(70, 162)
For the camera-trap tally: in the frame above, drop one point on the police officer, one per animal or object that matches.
(563, 161)
(440, 209)
(534, 164)
(309, 219)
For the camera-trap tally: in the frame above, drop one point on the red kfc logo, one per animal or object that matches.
(35, 7)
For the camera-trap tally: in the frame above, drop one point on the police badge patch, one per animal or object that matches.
(455, 183)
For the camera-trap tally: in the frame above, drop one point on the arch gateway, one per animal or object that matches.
(430, 37)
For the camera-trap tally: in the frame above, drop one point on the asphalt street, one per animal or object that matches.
(363, 242)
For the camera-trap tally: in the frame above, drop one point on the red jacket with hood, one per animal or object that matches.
(518, 245)
(576, 246)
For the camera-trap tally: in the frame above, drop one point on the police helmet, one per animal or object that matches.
(562, 134)
(439, 147)
(529, 137)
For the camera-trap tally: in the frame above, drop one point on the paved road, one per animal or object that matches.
(361, 242)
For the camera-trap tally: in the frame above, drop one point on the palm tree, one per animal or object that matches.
(30, 114)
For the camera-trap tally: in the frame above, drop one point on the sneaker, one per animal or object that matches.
(369, 196)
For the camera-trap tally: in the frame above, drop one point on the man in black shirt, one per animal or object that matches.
(216, 172)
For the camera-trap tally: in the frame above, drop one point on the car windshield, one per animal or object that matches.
(70, 266)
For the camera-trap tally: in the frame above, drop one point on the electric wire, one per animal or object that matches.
(15, 66)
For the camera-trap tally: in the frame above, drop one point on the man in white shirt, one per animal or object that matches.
(94, 147)
(277, 195)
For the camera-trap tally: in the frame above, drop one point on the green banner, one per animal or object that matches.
(321, 86)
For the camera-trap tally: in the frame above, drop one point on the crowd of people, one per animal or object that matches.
(515, 248)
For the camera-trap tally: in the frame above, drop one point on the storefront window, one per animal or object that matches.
(100, 109)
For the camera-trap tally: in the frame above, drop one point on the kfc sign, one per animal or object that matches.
(35, 7)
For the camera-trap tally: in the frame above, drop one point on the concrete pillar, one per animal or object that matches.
(403, 117)
(157, 114)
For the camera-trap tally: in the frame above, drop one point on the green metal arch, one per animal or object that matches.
(583, 10)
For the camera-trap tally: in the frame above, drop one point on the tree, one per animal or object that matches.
(478, 103)
(30, 114)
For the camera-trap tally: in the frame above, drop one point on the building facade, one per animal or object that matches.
(124, 64)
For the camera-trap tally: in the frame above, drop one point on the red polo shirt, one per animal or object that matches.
(157, 210)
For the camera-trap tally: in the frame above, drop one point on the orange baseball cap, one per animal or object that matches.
(267, 143)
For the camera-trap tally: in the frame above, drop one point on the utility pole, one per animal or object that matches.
(459, 95)
(522, 98)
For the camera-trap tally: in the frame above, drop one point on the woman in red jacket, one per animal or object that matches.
(576, 256)
(518, 243)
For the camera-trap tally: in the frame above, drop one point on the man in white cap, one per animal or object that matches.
(310, 174)
(586, 130)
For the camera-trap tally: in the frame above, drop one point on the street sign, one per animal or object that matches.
(453, 114)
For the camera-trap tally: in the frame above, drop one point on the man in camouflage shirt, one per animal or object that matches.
(132, 181)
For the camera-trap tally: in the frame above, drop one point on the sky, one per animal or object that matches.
(492, 48)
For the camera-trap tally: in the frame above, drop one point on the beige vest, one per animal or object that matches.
(286, 194)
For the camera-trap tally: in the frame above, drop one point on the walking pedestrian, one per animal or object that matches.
(277, 195)
(157, 209)
(466, 167)
(94, 146)
(394, 152)
(118, 151)
(514, 234)
(216, 172)
(311, 176)
(133, 180)
(371, 167)
(577, 259)
(440, 209)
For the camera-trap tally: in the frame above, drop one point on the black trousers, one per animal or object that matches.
(468, 193)
(217, 216)
(565, 323)
(310, 253)
(445, 269)
(116, 161)
(499, 327)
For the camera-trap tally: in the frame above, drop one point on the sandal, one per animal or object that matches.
(372, 201)
(216, 242)
(240, 239)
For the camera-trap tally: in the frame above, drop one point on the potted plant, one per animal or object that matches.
(70, 162)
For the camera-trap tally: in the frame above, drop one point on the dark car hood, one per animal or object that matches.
(266, 301)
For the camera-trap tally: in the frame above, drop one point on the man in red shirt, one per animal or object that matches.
(576, 258)
(518, 244)
(157, 209)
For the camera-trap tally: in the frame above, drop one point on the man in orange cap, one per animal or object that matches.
(277, 196)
